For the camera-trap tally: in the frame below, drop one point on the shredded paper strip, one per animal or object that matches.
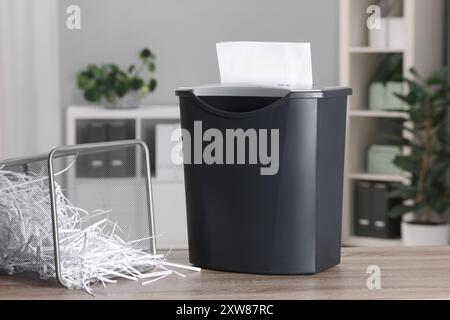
(92, 248)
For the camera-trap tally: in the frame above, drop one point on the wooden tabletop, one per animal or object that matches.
(406, 272)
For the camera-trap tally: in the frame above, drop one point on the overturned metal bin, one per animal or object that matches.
(49, 180)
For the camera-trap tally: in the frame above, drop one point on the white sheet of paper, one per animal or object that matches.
(269, 63)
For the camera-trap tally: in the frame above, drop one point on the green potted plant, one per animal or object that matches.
(117, 88)
(426, 162)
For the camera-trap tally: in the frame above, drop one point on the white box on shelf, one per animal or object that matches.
(166, 169)
(378, 37)
(396, 32)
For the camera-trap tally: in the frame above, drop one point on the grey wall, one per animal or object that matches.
(183, 35)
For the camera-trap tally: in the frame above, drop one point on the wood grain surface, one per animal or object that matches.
(406, 273)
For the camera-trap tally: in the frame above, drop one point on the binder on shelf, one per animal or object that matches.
(165, 168)
(117, 159)
(383, 226)
(362, 218)
(371, 208)
(96, 162)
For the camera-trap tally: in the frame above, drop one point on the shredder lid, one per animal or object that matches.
(255, 90)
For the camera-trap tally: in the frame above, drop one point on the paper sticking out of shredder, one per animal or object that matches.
(285, 64)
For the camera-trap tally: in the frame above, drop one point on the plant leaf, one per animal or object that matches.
(92, 95)
(398, 211)
(417, 115)
(438, 76)
(439, 205)
(415, 73)
(401, 191)
(151, 67)
(410, 99)
(152, 85)
(407, 163)
(145, 53)
(83, 80)
(136, 83)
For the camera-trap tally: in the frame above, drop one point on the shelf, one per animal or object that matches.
(375, 50)
(379, 177)
(357, 64)
(378, 114)
(370, 242)
(143, 112)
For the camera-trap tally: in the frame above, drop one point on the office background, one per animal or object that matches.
(40, 57)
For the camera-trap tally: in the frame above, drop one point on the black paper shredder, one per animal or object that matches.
(263, 173)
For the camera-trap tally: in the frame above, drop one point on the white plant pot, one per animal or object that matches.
(425, 235)
(130, 100)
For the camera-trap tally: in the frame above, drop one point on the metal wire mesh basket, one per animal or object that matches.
(51, 204)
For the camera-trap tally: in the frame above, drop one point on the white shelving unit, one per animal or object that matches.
(168, 195)
(357, 62)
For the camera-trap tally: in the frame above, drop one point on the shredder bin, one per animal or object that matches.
(285, 223)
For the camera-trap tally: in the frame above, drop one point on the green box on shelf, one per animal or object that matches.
(392, 102)
(380, 159)
(376, 96)
(382, 96)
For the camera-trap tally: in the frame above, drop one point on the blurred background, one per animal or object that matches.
(46, 97)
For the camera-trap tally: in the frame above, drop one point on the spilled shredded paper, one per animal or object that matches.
(92, 248)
